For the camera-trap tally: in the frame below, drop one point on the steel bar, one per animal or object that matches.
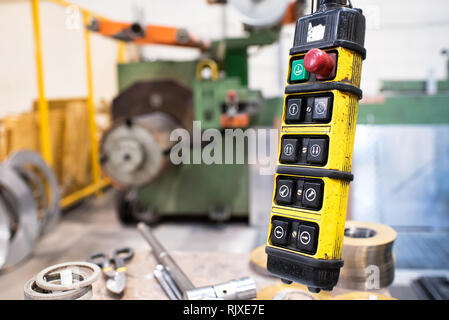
(162, 256)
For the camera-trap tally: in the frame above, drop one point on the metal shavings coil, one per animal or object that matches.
(368, 256)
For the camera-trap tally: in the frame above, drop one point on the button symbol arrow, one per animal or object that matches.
(304, 237)
(279, 232)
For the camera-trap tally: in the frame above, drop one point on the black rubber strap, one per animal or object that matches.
(316, 172)
(331, 44)
(323, 86)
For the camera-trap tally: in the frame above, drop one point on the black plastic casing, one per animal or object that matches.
(344, 27)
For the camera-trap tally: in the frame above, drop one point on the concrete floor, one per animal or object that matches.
(93, 227)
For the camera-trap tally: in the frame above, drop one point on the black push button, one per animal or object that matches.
(289, 152)
(321, 109)
(312, 195)
(280, 232)
(317, 151)
(306, 240)
(294, 110)
(284, 191)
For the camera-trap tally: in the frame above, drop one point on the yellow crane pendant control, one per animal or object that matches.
(315, 151)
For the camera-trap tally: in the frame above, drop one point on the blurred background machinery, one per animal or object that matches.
(157, 97)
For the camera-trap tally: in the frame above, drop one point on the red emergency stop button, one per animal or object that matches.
(321, 63)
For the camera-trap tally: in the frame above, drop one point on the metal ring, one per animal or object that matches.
(44, 284)
(20, 160)
(33, 292)
(23, 241)
(5, 233)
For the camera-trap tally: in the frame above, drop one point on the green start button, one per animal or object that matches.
(298, 73)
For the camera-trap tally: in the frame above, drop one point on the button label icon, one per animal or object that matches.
(284, 191)
(279, 232)
(320, 107)
(288, 149)
(305, 237)
(310, 194)
(298, 70)
(315, 150)
(293, 109)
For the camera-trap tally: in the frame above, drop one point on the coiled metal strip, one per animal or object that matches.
(21, 161)
(24, 238)
(92, 276)
(368, 256)
(33, 292)
(5, 233)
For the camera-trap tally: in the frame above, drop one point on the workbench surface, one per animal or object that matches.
(203, 268)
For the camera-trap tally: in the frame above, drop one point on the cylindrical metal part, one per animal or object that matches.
(240, 289)
(134, 151)
(162, 256)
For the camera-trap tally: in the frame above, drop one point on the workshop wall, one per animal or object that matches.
(63, 56)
